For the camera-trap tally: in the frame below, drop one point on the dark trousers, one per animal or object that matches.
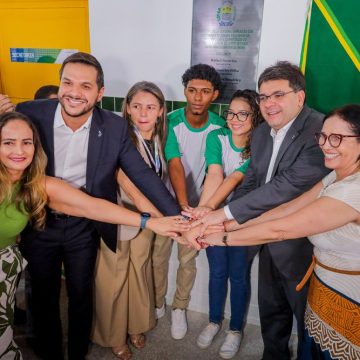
(278, 303)
(73, 242)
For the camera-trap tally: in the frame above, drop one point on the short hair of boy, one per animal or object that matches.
(202, 72)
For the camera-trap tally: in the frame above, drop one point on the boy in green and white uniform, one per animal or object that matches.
(184, 151)
(188, 144)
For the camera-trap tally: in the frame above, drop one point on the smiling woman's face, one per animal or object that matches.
(237, 127)
(16, 147)
(345, 157)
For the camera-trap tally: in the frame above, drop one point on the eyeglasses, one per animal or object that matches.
(334, 139)
(276, 96)
(241, 115)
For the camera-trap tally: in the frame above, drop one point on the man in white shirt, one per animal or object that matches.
(285, 162)
(85, 146)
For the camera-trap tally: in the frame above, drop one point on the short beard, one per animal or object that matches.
(197, 113)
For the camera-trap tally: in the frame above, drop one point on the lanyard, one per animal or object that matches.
(156, 162)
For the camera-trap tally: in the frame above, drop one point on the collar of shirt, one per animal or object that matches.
(59, 120)
(281, 132)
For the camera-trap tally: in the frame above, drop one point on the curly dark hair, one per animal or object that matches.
(202, 72)
(249, 96)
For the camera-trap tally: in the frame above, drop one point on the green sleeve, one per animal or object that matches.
(171, 147)
(243, 168)
(213, 150)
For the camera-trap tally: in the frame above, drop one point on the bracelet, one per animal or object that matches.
(225, 239)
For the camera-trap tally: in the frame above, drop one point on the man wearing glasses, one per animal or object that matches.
(285, 162)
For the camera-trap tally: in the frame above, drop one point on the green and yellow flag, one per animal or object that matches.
(330, 56)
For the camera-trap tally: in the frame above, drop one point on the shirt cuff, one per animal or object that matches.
(228, 213)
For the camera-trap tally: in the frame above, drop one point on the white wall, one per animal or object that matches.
(151, 40)
(146, 40)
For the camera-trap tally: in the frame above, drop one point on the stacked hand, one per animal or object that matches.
(212, 239)
(169, 225)
(201, 228)
(196, 213)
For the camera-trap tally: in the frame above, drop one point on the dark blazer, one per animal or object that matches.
(298, 166)
(110, 148)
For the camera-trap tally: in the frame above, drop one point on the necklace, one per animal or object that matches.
(152, 150)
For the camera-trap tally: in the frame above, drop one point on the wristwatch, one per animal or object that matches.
(225, 239)
(145, 216)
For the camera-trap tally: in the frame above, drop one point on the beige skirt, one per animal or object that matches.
(124, 295)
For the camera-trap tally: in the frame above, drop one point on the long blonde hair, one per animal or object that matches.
(31, 197)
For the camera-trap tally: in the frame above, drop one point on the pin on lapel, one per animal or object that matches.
(99, 133)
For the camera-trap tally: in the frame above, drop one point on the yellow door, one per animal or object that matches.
(35, 36)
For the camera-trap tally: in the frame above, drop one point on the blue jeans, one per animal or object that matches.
(228, 263)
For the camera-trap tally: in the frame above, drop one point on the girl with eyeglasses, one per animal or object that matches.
(329, 214)
(227, 157)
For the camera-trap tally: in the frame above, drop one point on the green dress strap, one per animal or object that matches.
(12, 221)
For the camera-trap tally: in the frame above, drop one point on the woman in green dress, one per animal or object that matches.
(25, 192)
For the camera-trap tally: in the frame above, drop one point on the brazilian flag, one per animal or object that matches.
(330, 56)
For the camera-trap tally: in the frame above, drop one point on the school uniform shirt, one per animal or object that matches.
(188, 143)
